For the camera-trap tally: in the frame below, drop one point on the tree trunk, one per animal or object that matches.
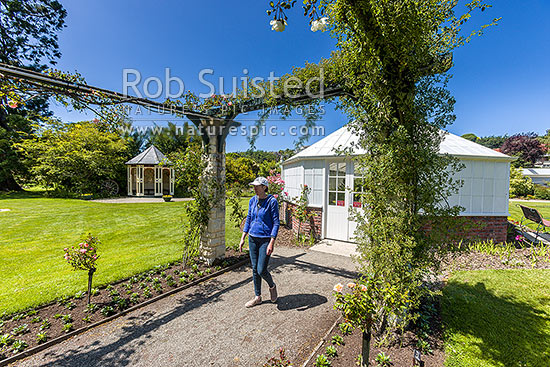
(90, 276)
(365, 348)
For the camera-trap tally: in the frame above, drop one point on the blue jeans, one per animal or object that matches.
(258, 247)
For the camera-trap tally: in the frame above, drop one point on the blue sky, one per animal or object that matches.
(501, 81)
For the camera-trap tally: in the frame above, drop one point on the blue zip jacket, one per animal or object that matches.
(262, 221)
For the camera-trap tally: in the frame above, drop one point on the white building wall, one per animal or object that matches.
(314, 173)
(485, 190)
(292, 174)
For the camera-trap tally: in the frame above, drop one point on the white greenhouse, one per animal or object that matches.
(331, 177)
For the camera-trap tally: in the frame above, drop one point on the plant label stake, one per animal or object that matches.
(417, 359)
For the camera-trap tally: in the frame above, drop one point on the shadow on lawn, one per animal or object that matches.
(505, 331)
(21, 194)
(138, 330)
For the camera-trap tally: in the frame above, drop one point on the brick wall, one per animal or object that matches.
(314, 226)
(469, 228)
(476, 228)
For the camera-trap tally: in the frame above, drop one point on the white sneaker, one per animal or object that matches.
(253, 302)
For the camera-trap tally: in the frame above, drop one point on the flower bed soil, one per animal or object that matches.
(401, 353)
(109, 301)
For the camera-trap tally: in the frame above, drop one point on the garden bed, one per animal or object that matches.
(41, 326)
(425, 336)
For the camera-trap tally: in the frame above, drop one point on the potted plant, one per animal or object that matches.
(167, 198)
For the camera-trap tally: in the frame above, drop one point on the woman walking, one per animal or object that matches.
(262, 226)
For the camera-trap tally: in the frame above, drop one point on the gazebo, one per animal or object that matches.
(150, 174)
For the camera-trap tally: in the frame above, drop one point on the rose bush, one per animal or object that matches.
(84, 257)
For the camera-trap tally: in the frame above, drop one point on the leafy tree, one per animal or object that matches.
(519, 184)
(28, 34)
(171, 139)
(493, 142)
(76, 158)
(471, 137)
(240, 171)
(525, 146)
(392, 59)
(29, 31)
(545, 140)
(188, 166)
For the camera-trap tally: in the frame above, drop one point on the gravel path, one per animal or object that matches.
(208, 325)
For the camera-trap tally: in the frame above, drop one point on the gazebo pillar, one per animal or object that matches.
(172, 180)
(139, 181)
(129, 180)
(158, 181)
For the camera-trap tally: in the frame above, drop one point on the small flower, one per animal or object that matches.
(319, 24)
(351, 285)
(363, 287)
(85, 244)
(338, 287)
(278, 25)
(95, 120)
(12, 104)
(65, 249)
(275, 196)
(83, 250)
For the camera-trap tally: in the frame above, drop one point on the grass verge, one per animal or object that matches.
(497, 318)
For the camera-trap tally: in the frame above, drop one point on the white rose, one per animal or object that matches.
(319, 24)
(278, 25)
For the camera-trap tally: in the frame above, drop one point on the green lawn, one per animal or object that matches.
(134, 238)
(497, 318)
(516, 214)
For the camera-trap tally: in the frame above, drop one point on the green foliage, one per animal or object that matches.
(383, 359)
(493, 142)
(21, 329)
(542, 192)
(470, 137)
(45, 325)
(172, 139)
(188, 166)
(67, 327)
(519, 184)
(19, 346)
(331, 351)
(41, 337)
(392, 60)
(76, 158)
(360, 306)
(240, 171)
(5, 340)
(238, 211)
(322, 361)
(345, 328)
(302, 213)
(29, 31)
(338, 340)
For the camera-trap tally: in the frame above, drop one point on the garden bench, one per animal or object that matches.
(534, 216)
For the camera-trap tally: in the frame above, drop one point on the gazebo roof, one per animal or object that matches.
(150, 155)
(451, 144)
